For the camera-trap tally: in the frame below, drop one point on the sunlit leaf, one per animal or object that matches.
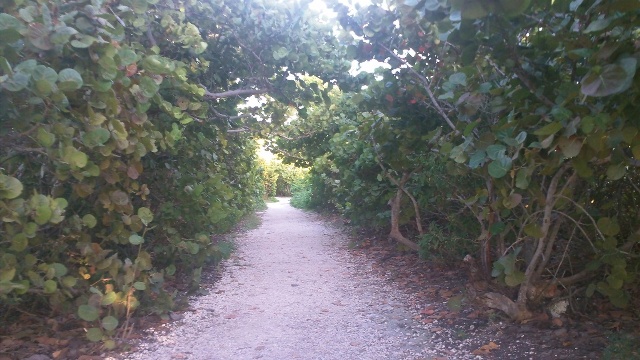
(10, 187)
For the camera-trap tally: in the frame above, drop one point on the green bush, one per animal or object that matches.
(301, 193)
(445, 244)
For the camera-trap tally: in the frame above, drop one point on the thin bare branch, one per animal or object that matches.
(427, 86)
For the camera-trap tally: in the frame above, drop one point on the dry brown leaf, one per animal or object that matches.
(486, 349)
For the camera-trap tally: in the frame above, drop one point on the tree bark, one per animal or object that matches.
(395, 233)
(506, 305)
(530, 272)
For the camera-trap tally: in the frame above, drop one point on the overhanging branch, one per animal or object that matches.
(232, 93)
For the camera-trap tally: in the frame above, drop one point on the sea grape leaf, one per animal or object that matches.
(609, 79)
(10, 187)
(499, 167)
(96, 137)
(88, 312)
(136, 239)
(69, 80)
(45, 138)
(570, 146)
(146, 216)
(109, 323)
(94, 334)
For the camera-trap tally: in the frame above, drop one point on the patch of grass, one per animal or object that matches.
(272, 200)
(621, 346)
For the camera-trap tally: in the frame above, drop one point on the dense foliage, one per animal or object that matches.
(534, 102)
(508, 128)
(122, 149)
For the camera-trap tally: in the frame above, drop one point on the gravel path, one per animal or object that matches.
(292, 291)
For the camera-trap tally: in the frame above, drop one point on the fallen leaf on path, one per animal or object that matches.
(427, 311)
(557, 322)
(486, 349)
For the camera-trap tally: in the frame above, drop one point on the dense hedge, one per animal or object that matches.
(122, 149)
(535, 102)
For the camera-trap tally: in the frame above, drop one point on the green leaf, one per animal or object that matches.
(69, 281)
(512, 8)
(610, 79)
(533, 230)
(523, 179)
(45, 138)
(477, 159)
(89, 221)
(75, 157)
(62, 34)
(127, 56)
(512, 201)
(170, 270)
(616, 171)
(280, 52)
(472, 9)
(148, 86)
(9, 22)
(94, 334)
(109, 323)
(42, 207)
(69, 80)
(96, 137)
(108, 298)
(608, 226)
(146, 216)
(158, 64)
(497, 228)
(59, 270)
(598, 25)
(500, 167)
(496, 151)
(7, 274)
(136, 239)
(514, 279)
(458, 79)
(10, 187)
(83, 41)
(139, 285)
(16, 82)
(549, 129)
(570, 146)
(50, 286)
(88, 312)
(636, 152)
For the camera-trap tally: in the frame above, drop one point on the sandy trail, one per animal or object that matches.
(292, 291)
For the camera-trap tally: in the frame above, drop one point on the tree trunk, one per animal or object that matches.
(530, 277)
(395, 233)
(514, 310)
(486, 262)
(416, 209)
